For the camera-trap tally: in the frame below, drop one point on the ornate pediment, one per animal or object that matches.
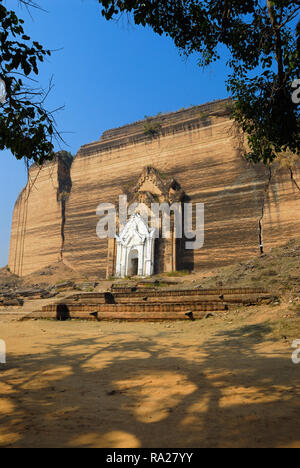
(135, 232)
(153, 187)
(135, 248)
(138, 247)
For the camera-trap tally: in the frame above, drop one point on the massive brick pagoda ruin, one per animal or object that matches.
(194, 154)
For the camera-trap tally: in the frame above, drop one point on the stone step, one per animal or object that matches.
(146, 316)
(127, 311)
(12, 316)
(122, 308)
(159, 297)
(196, 291)
(142, 299)
(118, 314)
(155, 305)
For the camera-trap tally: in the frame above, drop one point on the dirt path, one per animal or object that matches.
(224, 382)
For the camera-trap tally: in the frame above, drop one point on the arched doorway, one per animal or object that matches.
(133, 263)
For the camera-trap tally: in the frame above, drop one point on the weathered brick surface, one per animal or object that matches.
(198, 148)
(202, 156)
(37, 226)
(281, 220)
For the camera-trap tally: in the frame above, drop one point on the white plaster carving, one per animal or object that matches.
(135, 249)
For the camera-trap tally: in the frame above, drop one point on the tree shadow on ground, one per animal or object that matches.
(124, 390)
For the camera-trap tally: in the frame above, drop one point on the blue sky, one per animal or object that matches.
(106, 74)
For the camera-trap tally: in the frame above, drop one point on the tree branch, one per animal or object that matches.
(290, 17)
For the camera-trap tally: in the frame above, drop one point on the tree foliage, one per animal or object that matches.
(263, 40)
(26, 127)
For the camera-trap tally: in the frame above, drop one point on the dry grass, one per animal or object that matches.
(278, 271)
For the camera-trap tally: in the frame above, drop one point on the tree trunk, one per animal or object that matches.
(278, 42)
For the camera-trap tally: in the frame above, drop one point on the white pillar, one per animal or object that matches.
(118, 261)
(124, 261)
(141, 249)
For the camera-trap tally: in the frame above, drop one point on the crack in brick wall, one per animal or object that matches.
(64, 190)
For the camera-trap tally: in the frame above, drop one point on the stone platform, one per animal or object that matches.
(150, 304)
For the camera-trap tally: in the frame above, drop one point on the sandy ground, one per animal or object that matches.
(221, 382)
